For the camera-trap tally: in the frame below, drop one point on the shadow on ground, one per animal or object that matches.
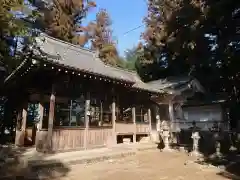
(229, 164)
(14, 167)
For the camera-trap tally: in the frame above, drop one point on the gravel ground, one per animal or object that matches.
(148, 165)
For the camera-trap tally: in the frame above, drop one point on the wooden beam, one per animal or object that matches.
(87, 113)
(135, 126)
(51, 119)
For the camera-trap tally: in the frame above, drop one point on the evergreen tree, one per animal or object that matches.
(194, 37)
(12, 26)
(189, 36)
(101, 36)
(63, 19)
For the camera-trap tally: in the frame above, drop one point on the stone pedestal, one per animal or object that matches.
(232, 148)
(233, 139)
(166, 136)
(158, 124)
(218, 149)
(195, 151)
(217, 139)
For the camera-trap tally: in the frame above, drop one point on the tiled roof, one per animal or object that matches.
(76, 57)
(73, 56)
(177, 85)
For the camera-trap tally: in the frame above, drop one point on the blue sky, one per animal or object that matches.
(126, 15)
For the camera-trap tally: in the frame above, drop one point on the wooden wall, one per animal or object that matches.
(98, 137)
(130, 128)
(64, 139)
(123, 128)
(67, 139)
(41, 137)
(142, 128)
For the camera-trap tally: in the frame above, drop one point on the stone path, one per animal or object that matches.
(148, 165)
(93, 155)
(141, 165)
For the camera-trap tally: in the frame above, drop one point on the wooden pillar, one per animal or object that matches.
(158, 119)
(158, 126)
(19, 137)
(40, 111)
(101, 113)
(38, 138)
(171, 116)
(135, 126)
(150, 121)
(51, 119)
(170, 109)
(21, 125)
(18, 120)
(24, 117)
(114, 121)
(87, 113)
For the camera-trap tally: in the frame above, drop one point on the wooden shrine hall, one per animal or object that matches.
(68, 99)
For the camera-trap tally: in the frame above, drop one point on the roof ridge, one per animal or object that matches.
(126, 70)
(134, 75)
(75, 47)
(121, 69)
(116, 67)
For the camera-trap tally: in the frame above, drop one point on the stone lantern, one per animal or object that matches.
(217, 139)
(196, 137)
(166, 135)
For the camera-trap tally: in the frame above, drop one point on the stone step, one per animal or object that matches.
(126, 140)
(145, 139)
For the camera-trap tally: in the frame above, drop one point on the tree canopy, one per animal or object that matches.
(63, 20)
(101, 36)
(12, 26)
(193, 37)
(58, 18)
(190, 36)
